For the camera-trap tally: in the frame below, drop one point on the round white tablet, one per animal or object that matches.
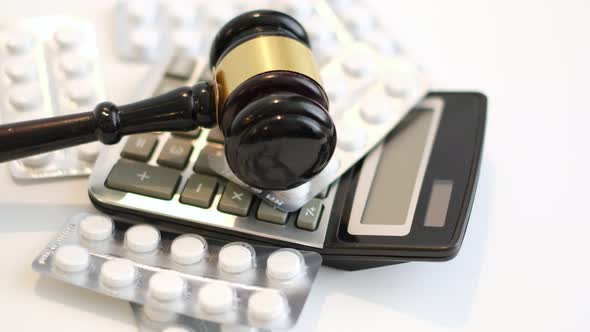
(74, 65)
(216, 298)
(145, 41)
(235, 258)
(25, 97)
(39, 160)
(71, 258)
(142, 11)
(267, 305)
(376, 109)
(158, 315)
(81, 91)
(188, 249)
(356, 64)
(96, 228)
(166, 286)
(142, 238)
(18, 42)
(283, 265)
(118, 273)
(20, 71)
(89, 152)
(177, 329)
(67, 37)
(350, 137)
(181, 13)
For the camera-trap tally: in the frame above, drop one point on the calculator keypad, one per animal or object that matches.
(143, 179)
(199, 190)
(235, 200)
(175, 153)
(140, 147)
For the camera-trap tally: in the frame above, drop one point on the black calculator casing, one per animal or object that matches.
(456, 154)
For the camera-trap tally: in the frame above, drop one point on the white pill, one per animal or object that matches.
(181, 13)
(382, 42)
(336, 87)
(283, 265)
(96, 228)
(267, 305)
(166, 286)
(158, 315)
(20, 71)
(142, 11)
(145, 42)
(25, 97)
(177, 329)
(188, 249)
(71, 258)
(216, 298)
(19, 42)
(376, 109)
(186, 41)
(351, 137)
(118, 273)
(142, 238)
(38, 161)
(80, 91)
(89, 152)
(357, 64)
(398, 84)
(357, 18)
(67, 38)
(235, 258)
(74, 65)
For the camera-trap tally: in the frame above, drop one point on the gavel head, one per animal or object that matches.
(271, 106)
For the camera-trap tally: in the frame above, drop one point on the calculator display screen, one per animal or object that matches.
(394, 187)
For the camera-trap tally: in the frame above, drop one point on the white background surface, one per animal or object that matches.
(525, 262)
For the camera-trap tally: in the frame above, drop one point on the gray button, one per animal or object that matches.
(235, 200)
(309, 215)
(158, 182)
(202, 163)
(140, 147)
(324, 193)
(215, 135)
(199, 190)
(188, 134)
(175, 153)
(181, 67)
(271, 214)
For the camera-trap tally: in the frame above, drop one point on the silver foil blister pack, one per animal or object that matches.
(176, 277)
(49, 68)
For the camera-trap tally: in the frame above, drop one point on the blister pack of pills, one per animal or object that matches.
(370, 83)
(176, 276)
(49, 68)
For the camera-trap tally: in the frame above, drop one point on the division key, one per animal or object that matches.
(134, 177)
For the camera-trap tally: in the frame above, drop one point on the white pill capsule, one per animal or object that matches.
(67, 38)
(142, 238)
(118, 273)
(376, 109)
(25, 97)
(157, 314)
(177, 329)
(284, 265)
(216, 298)
(89, 152)
(74, 65)
(38, 161)
(188, 249)
(236, 258)
(81, 91)
(96, 228)
(20, 71)
(19, 42)
(71, 258)
(267, 305)
(350, 137)
(166, 286)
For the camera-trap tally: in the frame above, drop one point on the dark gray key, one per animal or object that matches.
(309, 215)
(199, 190)
(324, 193)
(188, 134)
(175, 153)
(202, 163)
(181, 67)
(140, 147)
(215, 135)
(267, 212)
(235, 200)
(143, 179)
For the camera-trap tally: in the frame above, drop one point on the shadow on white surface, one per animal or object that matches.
(439, 294)
(18, 218)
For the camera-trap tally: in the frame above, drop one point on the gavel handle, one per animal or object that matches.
(178, 110)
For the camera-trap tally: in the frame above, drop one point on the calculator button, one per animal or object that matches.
(175, 153)
(199, 190)
(158, 182)
(309, 215)
(202, 163)
(181, 67)
(188, 134)
(267, 212)
(215, 135)
(235, 200)
(140, 147)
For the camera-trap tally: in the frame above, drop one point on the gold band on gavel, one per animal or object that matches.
(259, 55)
